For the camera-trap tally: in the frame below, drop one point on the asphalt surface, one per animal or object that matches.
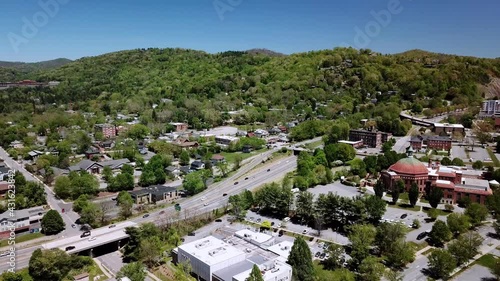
(55, 204)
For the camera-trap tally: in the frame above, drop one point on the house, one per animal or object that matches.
(185, 170)
(225, 140)
(173, 171)
(59, 172)
(107, 130)
(53, 151)
(82, 277)
(274, 131)
(154, 194)
(20, 221)
(179, 127)
(185, 143)
(107, 144)
(88, 166)
(4, 187)
(197, 165)
(115, 164)
(217, 158)
(92, 151)
(33, 155)
(16, 144)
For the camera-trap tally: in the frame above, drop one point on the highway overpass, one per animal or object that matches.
(104, 236)
(415, 120)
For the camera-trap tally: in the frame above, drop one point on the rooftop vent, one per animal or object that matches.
(203, 244)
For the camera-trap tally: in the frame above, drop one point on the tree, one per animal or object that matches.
(496, 269)
(465, 247)
(477, 213)
(413, 194)
(107, 174)
(335, 256)
(371, 269)
(193, 182)
(134, 271)
(62, 187)
(223, 168)
(301, 261)
(478, 165)
(362, 237)
(433, 214)
(440, 233)
(387, 235)
(339, 151)
(150, 251)
(255, 274)
(184, 158)
(11, 276)
(375, 208)
(457, 162)
(54, 264)
(90, 214)
(458, 223)
(435, 195)
(305, 205)
(379, 189)
(52, 222)
(402, 253)
(441, 263)
(395, 195)
(125, 202)
(446, 161)
(392, 275)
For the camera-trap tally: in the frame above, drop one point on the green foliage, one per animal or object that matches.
(134, 271)
(440, 233)
(273, 197)
(11, 276)
(371, 269)
(379, 188)
(434, 196)
(28, 194)
(255, 274)
(413, 194)
(154, 172)
(193, 182)
(477, 213)
(441, 263)
(184, 158)
(339, 151)
(125, 201)
(362, 237)
(75, 185)
(457, 162)
(52, 223)
(465, 247)
(478, 165)
(458, 223)
(301, 260)
(54, 264)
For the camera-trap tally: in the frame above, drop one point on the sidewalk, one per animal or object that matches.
(485, 249)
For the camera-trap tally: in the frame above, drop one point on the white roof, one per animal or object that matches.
(283, 249)
(349, 142)
(448, 125)
(227, 138)
(494, 182)
(254, 236)
(211, 250)
(443, 181)
(270, 271)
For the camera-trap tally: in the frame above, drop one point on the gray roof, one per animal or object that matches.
(226, 274)
(18, 214)
(114, 164)
(83, 165)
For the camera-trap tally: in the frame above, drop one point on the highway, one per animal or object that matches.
(55, 204)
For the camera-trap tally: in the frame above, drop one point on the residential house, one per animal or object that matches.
(92, 151)
(261, 133)
(140, 196)
(274, 131)
(4, 187)
(107, 144)
(173, 171)
(82, 277)
(185, 170)
(185, 143)
(88, 166)
(16, 144)
(25, 220)
(225, 140)
(180, 127)
(115, 164)
(34, 154)
(4, 171)
(217, 158)
(53, 151)
(197, 165)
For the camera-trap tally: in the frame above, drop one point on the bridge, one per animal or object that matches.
(415, 120)
(103, 237)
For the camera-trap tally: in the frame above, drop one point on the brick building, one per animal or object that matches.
(369, 138)
(108, 130)
(419, 143)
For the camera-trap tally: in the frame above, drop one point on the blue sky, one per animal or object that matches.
(92, 27)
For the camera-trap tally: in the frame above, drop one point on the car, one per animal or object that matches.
(69, 248)
(268, 170)
(278, 225)
(73, 225)
(422, 235)
(317, 254)
(85, 234)
(305, 231)
(191, 234)
(272, 223)
(235, 183)
(203, 198)
(145, 216)
(162, 212)
(206, 204)
(92, 238)
(287, 219)
(111, 226)
(218, 220)
(246, 178)
(259, 220)
(114, 198)
(6, 253)
(321, 244)
(322, 256)
(404, 216)
(281, 233)
(225, 194)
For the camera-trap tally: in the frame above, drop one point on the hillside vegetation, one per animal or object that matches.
(269, 87)
(15, 71)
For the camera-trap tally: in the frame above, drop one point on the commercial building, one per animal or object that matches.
(450, 129)
(108, 130)
(225, 140)
(154, 194)
(422, 143)
(180, 127)
(369, 138)
(454, 184)
(214, 259)
(354, 144)
(490, 108)
(26, 220)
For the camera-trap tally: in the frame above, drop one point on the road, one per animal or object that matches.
(55, 204)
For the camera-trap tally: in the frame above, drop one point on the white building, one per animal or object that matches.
(282, 249)
(209, 255)
(275, 270)
(491, 108)
(226, 140)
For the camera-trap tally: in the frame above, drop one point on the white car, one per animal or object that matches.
(206, 204)
(92, 238)
(305, 231)
(287, 219)
(203, 198)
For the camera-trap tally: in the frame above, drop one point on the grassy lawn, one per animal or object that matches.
(230, 156)
(487, 261)
(493, 157)
(404, 196)
(22, 238)
(313, 145)
(440, 212)
(404, 207)
(418, 246)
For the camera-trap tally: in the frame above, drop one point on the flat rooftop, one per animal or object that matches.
(211, 250)
(103, 236)
(475, 183)
(282, 249)
(270, 270)
(257, 237)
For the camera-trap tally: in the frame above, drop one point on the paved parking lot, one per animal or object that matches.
(475, 273)
(336, 188)
(458, 152)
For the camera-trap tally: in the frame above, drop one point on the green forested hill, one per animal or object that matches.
(15, 71)
(205, 86)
